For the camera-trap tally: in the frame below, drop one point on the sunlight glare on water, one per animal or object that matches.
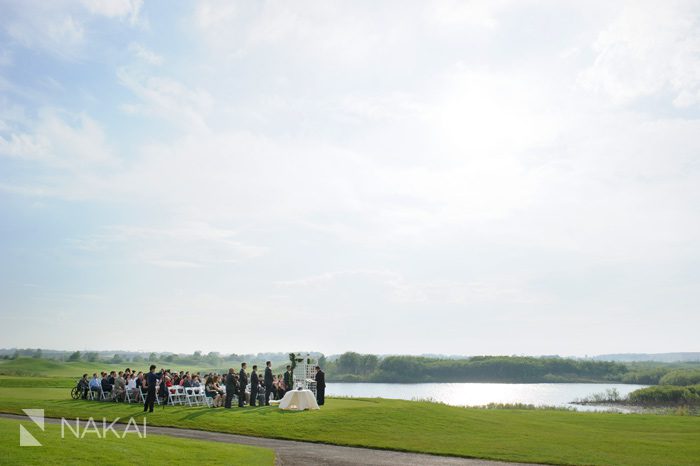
(479, 394)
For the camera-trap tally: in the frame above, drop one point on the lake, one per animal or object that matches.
(478, 394)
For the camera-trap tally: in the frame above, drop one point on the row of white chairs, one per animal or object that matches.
(177, 395)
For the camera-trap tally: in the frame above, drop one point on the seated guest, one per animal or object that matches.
(131, 387)
(211, 392)
(119, 387)
(84, 386)
(163, 387)
(187, 381)
(112, 376)
(106, 386)
(196, 382)
(95, 384)
(219, 389)
(139, 380)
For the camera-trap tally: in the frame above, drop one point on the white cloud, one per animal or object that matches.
(145, 54)
(62, 140)
(60, 34)
(189, 244)
(121, 9)
(167, 98)
(647, 50)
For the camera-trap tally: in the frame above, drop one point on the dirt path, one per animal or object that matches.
(294, 453)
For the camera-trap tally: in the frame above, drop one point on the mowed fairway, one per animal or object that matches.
(556, 437)
(90, 449)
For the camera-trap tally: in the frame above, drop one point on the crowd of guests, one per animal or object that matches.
(249, 388)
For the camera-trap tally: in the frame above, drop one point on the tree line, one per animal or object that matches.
(355, 367)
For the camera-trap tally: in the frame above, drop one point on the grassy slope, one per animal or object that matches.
(74, 370)
(557, 437)
(130, 449)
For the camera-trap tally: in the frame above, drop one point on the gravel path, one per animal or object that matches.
(293, 453)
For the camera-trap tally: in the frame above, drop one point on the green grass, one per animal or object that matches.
(556, 437)
(75, 369)
(153, 449)
(524, 435)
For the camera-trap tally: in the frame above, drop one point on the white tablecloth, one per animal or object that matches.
(299, 400)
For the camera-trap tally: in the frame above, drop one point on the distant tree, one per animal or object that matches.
(137, 358)
(169, 358)
(74, 356)
(349, 363)
(152, 357)
(37, 354)
(92, 356)
(197, 355)
(116, 359)
(15, 355)
(322, 361)
(213, 358)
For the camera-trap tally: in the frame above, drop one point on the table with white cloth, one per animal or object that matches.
(298, 400)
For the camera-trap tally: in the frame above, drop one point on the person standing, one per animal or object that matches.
(268, 382)
(242, 382)
(230, 387)
(320, 386)
(151, 384)
(288, 379)
(254, 385)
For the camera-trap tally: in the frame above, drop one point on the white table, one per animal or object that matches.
(299, 400)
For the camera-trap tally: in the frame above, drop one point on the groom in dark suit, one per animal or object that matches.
(320, 386)
(268, 382)
(254, 385)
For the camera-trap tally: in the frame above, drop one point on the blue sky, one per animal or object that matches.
(404, 177)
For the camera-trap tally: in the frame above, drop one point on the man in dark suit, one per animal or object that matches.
(254, 385)
(268, 382)
(151, 384)
(288, 379)
(230, 388)
(320, 386)
(106, 386)
(242, 382)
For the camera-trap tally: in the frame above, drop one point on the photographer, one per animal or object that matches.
(151, 381)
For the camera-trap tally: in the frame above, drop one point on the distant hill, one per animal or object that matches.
(656, 357)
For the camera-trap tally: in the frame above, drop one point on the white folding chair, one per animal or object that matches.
(181, 395)
(209, 401)
(192, 395)
(202, 397)
(105, 396)
(176, 395)
(144, 395)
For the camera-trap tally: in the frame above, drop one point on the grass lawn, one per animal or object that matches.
(538, 436)
(556, 437)
(153, 449)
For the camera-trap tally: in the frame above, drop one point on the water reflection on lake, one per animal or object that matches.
(478, 394)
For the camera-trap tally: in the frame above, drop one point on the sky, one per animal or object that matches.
(455, 177)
